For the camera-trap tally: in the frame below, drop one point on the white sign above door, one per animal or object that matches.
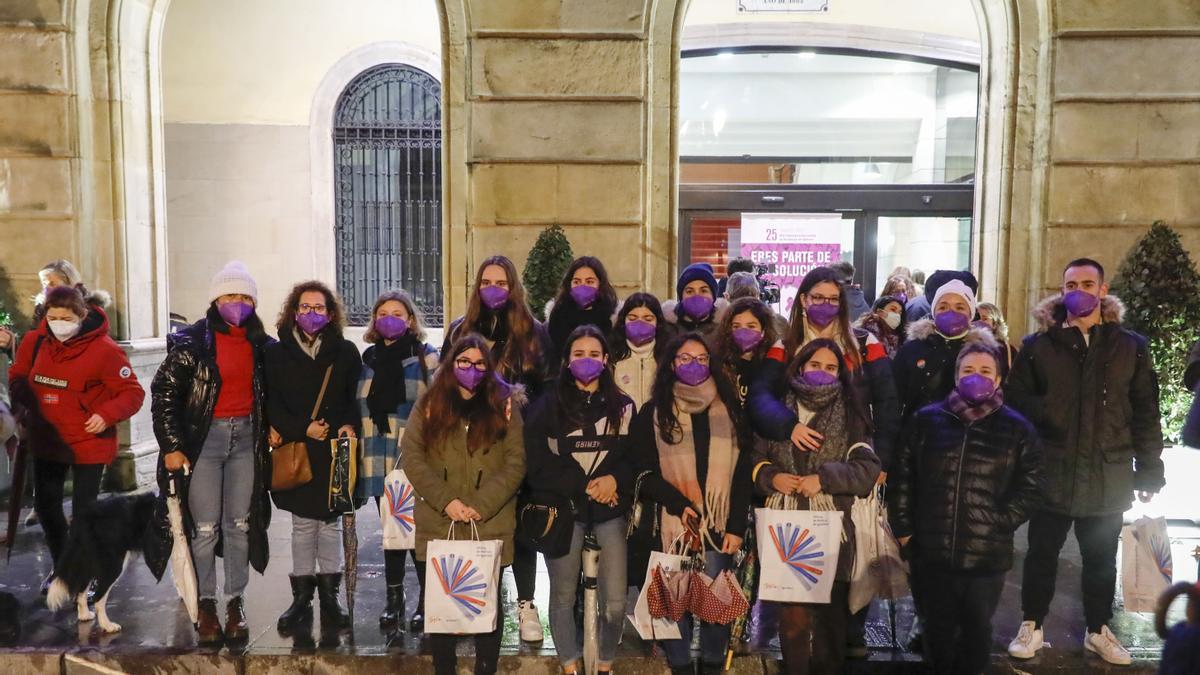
(783, 5)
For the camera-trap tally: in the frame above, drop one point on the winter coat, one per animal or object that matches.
(66, 383)
(644, 450)
(566, 316)
(924, 366)
(917, 308)
(183, 395)
(673, 314)
(294, 380)
(857, 301)
(635, 375)
(380, 448)
(1095, 407)
(875, 325)
(873, 382)
(961, 489)
(533, 378)
(486, 480)
(843, 481)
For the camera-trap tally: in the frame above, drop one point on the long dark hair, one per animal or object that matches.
(662, 332)
(333, 309)
(614, 400)
(727, 351)
(663, 394)
(485, 412)
(606, 301)
(795, 334)
(854, 405)
(521, 349)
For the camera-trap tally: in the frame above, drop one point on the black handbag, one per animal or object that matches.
(546, 523)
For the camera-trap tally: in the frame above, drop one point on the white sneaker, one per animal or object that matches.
(1027, 643)
(531, 625)
(1106, 645)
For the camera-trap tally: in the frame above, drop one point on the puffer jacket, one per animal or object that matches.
(183, 395)
(961, 489)
(924, 366)
(1095, 407)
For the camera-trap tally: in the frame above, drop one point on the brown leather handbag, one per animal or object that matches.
(289, 462)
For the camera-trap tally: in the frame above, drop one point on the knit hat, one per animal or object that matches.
(955, 287)
(700, 271)
(234, 278)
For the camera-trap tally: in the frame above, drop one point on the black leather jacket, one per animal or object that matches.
(961, 490)
(183, 395)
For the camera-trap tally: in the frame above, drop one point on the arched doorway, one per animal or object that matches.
(387, 139)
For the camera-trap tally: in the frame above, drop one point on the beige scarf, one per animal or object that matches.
(678, 461)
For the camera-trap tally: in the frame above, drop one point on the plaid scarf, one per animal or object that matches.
(968, 413)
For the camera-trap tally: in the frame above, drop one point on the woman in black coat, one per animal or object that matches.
(311, 343)
(585, 297)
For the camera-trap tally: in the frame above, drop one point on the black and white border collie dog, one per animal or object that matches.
(103, 538)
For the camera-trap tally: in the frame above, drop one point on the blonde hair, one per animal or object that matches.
(415, 320)
(63, 269)
(997, 316)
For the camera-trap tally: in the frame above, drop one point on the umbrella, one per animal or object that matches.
(19, 450)
(182, 570)
(591, 614)
(350, 550)
(747, 574)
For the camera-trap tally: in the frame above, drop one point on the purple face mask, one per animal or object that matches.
(1080, 303)
(822, 314)
(902, 297)
(469, 377)
(312, 323)
(976, 388)
(391, 327)
(584, 295)
(586, 370)
(692, 373)
(951, 323)
(746, 338)
(697, 307)
(494, 297)
(640, 332)
(235, 312)
(818, 378)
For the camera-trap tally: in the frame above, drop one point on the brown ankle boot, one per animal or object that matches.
(235, 621)
(208, 624)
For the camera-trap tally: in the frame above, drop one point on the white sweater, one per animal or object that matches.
(635, 373)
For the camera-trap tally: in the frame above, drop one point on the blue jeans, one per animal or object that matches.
(219, 496)
(564, 580)
(714, 638)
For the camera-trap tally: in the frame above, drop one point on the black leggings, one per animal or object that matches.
(487, 645)
(524, 567)
(49, 479)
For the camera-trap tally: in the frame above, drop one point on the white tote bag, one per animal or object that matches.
(648, 627)
(396, 511)
(878, 570)
(1146, 565)
(798, 554)
(461, 584)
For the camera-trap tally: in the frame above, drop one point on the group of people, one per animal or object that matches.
(687, 412)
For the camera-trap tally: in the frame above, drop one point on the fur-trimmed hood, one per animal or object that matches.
(668, 308)
(919, 330)
(1051, 312)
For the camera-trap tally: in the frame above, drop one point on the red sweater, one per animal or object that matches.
(235, 362)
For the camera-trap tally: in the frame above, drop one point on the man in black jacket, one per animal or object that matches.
(1089, 387)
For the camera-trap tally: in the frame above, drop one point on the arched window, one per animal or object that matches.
(387, 154)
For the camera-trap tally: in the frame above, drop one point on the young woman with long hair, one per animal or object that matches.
(637, 343)
(691, 440)
(397, 369)
(821, 390)
(585, 297)
(697, 306)
(576, 445)
(464, 453)
(743, 337)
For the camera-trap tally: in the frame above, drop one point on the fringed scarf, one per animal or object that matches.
(678, 461)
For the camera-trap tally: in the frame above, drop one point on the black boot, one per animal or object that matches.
(393, 613)
(332, 612)
(689, 669)
(417, 623)
(300, 612)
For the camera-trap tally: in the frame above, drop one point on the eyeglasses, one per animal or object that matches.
(305, 308)
(465, 363)
(824, 299)
(684, 359)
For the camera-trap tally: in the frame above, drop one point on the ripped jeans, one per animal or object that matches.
(219, 496)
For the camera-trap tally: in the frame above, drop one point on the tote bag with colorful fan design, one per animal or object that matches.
(798, 554)
(396, 512)
(461, 584)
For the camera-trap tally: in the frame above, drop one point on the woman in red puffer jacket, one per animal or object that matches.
(71, 385)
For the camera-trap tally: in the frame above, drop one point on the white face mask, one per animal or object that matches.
(892, 319)
(63, 330)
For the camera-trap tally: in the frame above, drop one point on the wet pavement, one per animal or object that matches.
(158, 638)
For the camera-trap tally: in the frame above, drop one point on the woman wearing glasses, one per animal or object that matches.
(464, 453)
(819, 312)
(689, 437)
(310, 345)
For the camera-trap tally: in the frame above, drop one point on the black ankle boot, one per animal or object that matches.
(332, 612)
(393, 613)
(300, 610)
(417, 623)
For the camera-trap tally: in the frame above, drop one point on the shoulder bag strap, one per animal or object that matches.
(321, 395)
